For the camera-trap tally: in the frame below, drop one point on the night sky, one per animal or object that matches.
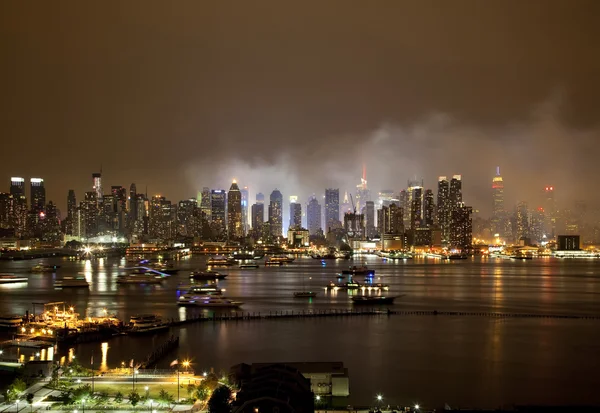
(298, 95)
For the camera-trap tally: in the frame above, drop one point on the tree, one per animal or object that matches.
(54, 377)
(29, 399)
(191, 389)
(202, 392)
(102, 399)
(14, 390)
(165, 397)
(220, 400)
(134, 398)
(119, 397)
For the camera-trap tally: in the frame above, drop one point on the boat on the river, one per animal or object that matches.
(207, 275)
(147, 323)
(359, 270)
(11, 279)
(373, 300)
(206, 296)
(71, 282)
(138, 279)
(284, 259)
(220, 261)
(350, 285)
(250, 265)
(44, 268)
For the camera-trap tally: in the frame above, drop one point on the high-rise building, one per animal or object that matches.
(90, 214)
(390, 219)
(258, 218)
(260, 198)
(498, 213)
(245, 206)
(133, 209)
(370, 219)
(536, 225)
(234, 212)
(205, 204)
(97, 184)
(428, 209)
(17, 186)
(455, 191)
(186, 217)
(550, 212)
(461, 231)
(346, 206)
(276, 213)
(38, 194)
(386, 197)
(119, 200)
(218, 201)
(521, 221)
(313, 216)
(6, 203)
(443, 208)
(332, 208)
(404, 199)
(71, 220)
(160, 218)
(416, 206)
(362, 192)
(295, 213)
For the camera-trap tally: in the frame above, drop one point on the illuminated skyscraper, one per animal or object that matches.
(133, 209)
(428, 209)
(332, 208)
(521, 221)
(444, 210)
(234, 212)
(71, 220)
(245, 206)
(17, 187)
(218, 198)
(160, 218)
(370, 219)
(346, 207)
(498, 213)
(97, 184)
(550, 212)
(295, 213)
(258, 218)
(461, 231)
(186, 218)
(276, 213)
(260, 198)
(362, 192)
(416, 206)
(205, 205)
(38, 194)
(313, 216)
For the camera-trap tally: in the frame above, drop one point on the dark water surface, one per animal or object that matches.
(467, 360)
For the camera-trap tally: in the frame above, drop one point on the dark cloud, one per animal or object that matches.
(299, 95)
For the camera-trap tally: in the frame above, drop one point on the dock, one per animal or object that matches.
(162, 351)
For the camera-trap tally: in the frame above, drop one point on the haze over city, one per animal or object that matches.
(300, 96)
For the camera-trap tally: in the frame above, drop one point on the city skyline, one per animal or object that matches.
(205, 117)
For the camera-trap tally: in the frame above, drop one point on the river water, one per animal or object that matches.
(459, 360)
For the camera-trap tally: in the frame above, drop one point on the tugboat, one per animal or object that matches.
(363, 270)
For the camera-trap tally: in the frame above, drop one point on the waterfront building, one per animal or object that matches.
(567, 243)
(295, 212)
(298, 237)
(332, 208)
(37, 194)
(461, 231)
(276, 213)
(245, 206)
(313, 216)
(234, 212)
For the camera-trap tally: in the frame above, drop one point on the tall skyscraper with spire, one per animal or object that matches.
(234, 212)
(498, 213)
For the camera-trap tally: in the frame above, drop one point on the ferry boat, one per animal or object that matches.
(220, 261)
(374, 300)
(71, 282)
(207, 275)
(270, 263)
(248, 266)
(138, 279)
(11, 279)
(147, 323)
(350, 285)
(281, 258)
(44, 268)
(363, 270)
(206, 296)
(241, 256)
(305, 294)
(10, 321)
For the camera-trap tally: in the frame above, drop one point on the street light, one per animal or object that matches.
(17, 403)
(317, 397)
(146, 388)
(186, 364)
(417, 406)
(150, 401)
(379, 397)
(83, 405)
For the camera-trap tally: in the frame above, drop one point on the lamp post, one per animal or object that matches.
(83, 405)
(150, 401)
(17, 403)
(146, 388)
